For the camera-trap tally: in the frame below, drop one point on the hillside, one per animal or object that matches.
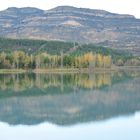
(67, 23)
(31, 46)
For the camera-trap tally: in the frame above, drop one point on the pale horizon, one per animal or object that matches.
(130, 7)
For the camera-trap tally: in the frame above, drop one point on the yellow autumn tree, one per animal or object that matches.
(107, 61)
(99, 60)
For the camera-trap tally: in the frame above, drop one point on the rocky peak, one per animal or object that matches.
(87, 11)
(22, 11)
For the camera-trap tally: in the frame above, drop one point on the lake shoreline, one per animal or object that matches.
(71, 70)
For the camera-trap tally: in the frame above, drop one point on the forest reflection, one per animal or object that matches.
(21, 82)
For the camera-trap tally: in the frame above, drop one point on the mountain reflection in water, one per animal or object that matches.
(67, 99)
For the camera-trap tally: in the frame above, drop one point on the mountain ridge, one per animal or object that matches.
(67, 23)
(70, 8)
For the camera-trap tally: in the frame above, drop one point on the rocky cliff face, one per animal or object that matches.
(72, 24)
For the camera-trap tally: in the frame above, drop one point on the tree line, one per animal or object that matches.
(22, 60)
(34, 52)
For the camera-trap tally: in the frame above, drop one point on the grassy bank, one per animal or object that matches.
(70, 70)
(12, 71)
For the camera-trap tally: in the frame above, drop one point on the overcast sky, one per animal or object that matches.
(116, 6)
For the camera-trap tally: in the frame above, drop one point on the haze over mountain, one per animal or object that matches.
(72, 24)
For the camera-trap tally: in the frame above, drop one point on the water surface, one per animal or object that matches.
(70, 106)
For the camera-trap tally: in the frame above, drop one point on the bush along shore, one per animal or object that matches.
(19, 62)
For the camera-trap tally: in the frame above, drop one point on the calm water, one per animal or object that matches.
(101, 106)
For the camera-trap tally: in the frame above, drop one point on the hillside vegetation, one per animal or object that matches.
(24, 53)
